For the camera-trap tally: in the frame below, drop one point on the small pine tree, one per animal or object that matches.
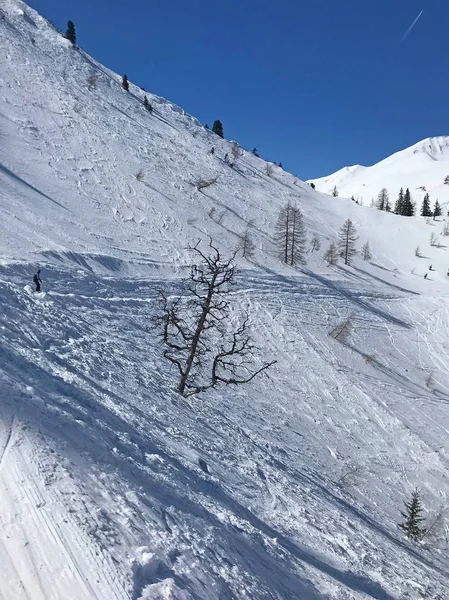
(125, 83)
(255, 152)
(312, 185)
(206, 126)
(409, 207)
(335, 192)
(217, 128)
(315, 244)
(146, 104)
(347, 238)
(446, 180)
(70, 33)
(280, 164)
(425, 208)
(399, 205)
(437, 210)
(366, 252)
(412, 518)
(331, 255)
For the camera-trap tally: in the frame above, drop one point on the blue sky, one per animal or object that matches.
(317, 85)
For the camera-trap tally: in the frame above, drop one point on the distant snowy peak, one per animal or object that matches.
(423, 168)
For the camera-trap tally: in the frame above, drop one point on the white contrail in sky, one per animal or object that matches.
(411, 27)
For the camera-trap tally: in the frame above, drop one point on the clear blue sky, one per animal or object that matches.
(317, 85)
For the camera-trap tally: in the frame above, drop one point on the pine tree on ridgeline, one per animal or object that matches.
(217, 128)
(125, 83)
(70, 33)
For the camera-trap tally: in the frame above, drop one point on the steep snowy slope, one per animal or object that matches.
(422, 168)
(112, 486)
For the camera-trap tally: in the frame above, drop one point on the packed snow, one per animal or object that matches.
(114, 486)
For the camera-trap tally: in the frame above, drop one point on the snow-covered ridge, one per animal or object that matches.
(422, 168)
(114, 487)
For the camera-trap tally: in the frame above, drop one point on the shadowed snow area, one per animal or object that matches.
(112, 485)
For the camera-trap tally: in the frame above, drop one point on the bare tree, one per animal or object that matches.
(290, 235)
(269, 169)
(366, 251)
(316, 244)
(236, 151)
(140, 175)
(446, 230)
(347, 238)
(195, 333)
(331, 255)
(335, 192)
(246, 245)
(383, 200)
(434, 240)
(418, 252)
(204, 183)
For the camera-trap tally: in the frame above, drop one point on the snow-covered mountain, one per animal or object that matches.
(112, 485)
(423, 168)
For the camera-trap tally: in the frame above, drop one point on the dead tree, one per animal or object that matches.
(290, 235)
(195, 329)
(204, 183)
(331, 255)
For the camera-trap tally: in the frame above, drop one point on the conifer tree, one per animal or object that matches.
(290, 235)
(125, 83)
(280, 164)
(146, 104)
(426, 211)
(347, 238)
(437, 210)
(217, 128)
(383, 200)
(312, 185)
(255, 152)
(366, 252)
(399, 205)
(70, 33)
(206, 126)
(409, 207)
(412, 518)
(331, 255)
(335, 192)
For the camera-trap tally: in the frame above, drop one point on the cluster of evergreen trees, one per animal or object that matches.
(404, 204)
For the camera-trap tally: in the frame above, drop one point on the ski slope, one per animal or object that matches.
(422, 168)
(112, 486)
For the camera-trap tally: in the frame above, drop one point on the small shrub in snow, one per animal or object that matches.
(269, 169)
(446, 230)
(335, 192)
(446, 180)
(147, 106)
(315, 244)
(418, 252)
(433, 240)
(92, 83)
(411, 525)
(342, 331)
(140, 175)
(204, 183)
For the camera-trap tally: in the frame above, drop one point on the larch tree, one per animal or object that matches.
(290, 235)
(347, 238)
(331, 255)
(335, 192)
(246, 245)
(383, 200)
(366, 251)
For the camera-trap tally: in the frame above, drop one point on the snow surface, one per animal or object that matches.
(422, 168)
(112, 486)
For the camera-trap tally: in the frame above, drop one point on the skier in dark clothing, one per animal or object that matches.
(37, 280)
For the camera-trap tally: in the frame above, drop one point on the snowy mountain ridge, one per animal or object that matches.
(115, 487)
(423, 168)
